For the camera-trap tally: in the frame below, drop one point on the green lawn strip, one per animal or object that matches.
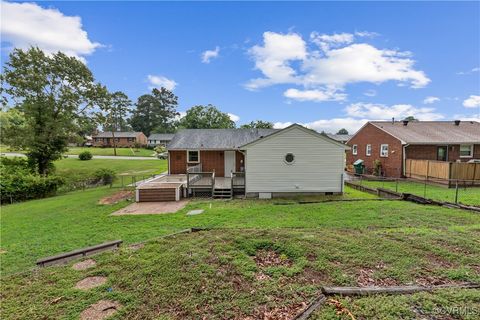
(45, 227)
(217, 274)
(76, 170)
(469, 196)
(441, 304)
(97, 151)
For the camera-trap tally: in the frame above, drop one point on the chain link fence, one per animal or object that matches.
(465, 192)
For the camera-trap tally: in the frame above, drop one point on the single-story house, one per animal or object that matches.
(159, 139)
(122, 139)
(343, 138)
(393, 143)
(261, 163)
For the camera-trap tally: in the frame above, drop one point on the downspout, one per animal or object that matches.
(404, 158)
(245, 169)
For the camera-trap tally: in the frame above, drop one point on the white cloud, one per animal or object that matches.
(286, 59)
(272, 59)
(383, 112)
(472, 102)
(314, 95)
(208, 55)
(430, 100)
(233, 117)
(161, 81)
(463, 117)
(329, 125)
(370, 93)
(27, 24)
(473, 70)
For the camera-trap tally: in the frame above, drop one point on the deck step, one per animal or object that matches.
(222, 193)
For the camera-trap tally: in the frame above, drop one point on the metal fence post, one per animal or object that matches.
(396, 185)
(456, 191)
(425, 188)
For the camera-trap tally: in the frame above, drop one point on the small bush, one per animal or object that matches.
(18, 182)
(85, 155)
(104, 176)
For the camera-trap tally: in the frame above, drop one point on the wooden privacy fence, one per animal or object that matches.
(442, 170)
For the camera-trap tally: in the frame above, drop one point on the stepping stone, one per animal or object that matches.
(83, 265)
(194, 212)
(90, 282)
(100, 310)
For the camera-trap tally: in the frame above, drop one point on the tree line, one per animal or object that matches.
(51, 100)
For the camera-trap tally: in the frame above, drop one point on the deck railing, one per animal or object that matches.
(237, 180)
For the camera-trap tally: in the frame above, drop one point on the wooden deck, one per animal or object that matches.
(220, 182)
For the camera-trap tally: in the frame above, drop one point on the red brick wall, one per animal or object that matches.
(429, 152)
(122, 142)
(391, 165)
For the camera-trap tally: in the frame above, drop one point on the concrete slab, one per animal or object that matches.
(151, 208)
(194, 212)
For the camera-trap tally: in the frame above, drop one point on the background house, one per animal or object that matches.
(394, 143)
(122, 139)
(159, 139)
(343, 138)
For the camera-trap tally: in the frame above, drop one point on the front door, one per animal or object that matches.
(442, 153)
(229, 163)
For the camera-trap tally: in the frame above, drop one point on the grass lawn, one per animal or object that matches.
(259, 259)
(470, 196)
(131, 152)
(125, 167)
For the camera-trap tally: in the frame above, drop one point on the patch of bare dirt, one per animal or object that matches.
(260, 276)
(90, 282)
(438, 261)
(428, 279)
(279, 313)
(365, 277)
(117, 197)
(83, 265)
(100, 310)
(271, 258)
(136, 246)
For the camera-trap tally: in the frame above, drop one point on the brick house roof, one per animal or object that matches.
(432, 132)
(119, 134)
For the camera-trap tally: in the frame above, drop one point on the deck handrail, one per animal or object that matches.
(213, 181)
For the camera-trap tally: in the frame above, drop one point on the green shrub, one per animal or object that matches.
(19, 182)
(85, 155)
(104, 176)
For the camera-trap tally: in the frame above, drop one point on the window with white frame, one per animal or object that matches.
(354, 149)
(193, 156)
(466, 150)
(384, 150)
(368, 150)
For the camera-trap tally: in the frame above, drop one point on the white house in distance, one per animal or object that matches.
(159, 139)
(260, 163)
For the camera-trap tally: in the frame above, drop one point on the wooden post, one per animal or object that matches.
(456, 192)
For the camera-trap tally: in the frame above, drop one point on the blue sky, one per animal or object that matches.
(325, 65)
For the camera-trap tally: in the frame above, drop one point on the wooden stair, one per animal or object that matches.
(222, 193)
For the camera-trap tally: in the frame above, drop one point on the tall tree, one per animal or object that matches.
(206, 117)
(155, 112)
(342, 131)
(112, 114)
(410, 118)
(51, 91)
(258, 124)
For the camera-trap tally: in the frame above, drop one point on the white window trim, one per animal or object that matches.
(381, 150)
(188, 158)
(471, 151)
(355, 149)
(368, 151)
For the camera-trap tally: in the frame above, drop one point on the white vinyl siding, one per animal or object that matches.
(318, 164)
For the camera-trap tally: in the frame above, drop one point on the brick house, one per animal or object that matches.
(122, 139)
(393, 142)
(159, 139)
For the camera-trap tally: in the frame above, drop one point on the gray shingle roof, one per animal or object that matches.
(340, 137)
(161, 136)
(433, 132)
(119, 134)
(223, 139)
